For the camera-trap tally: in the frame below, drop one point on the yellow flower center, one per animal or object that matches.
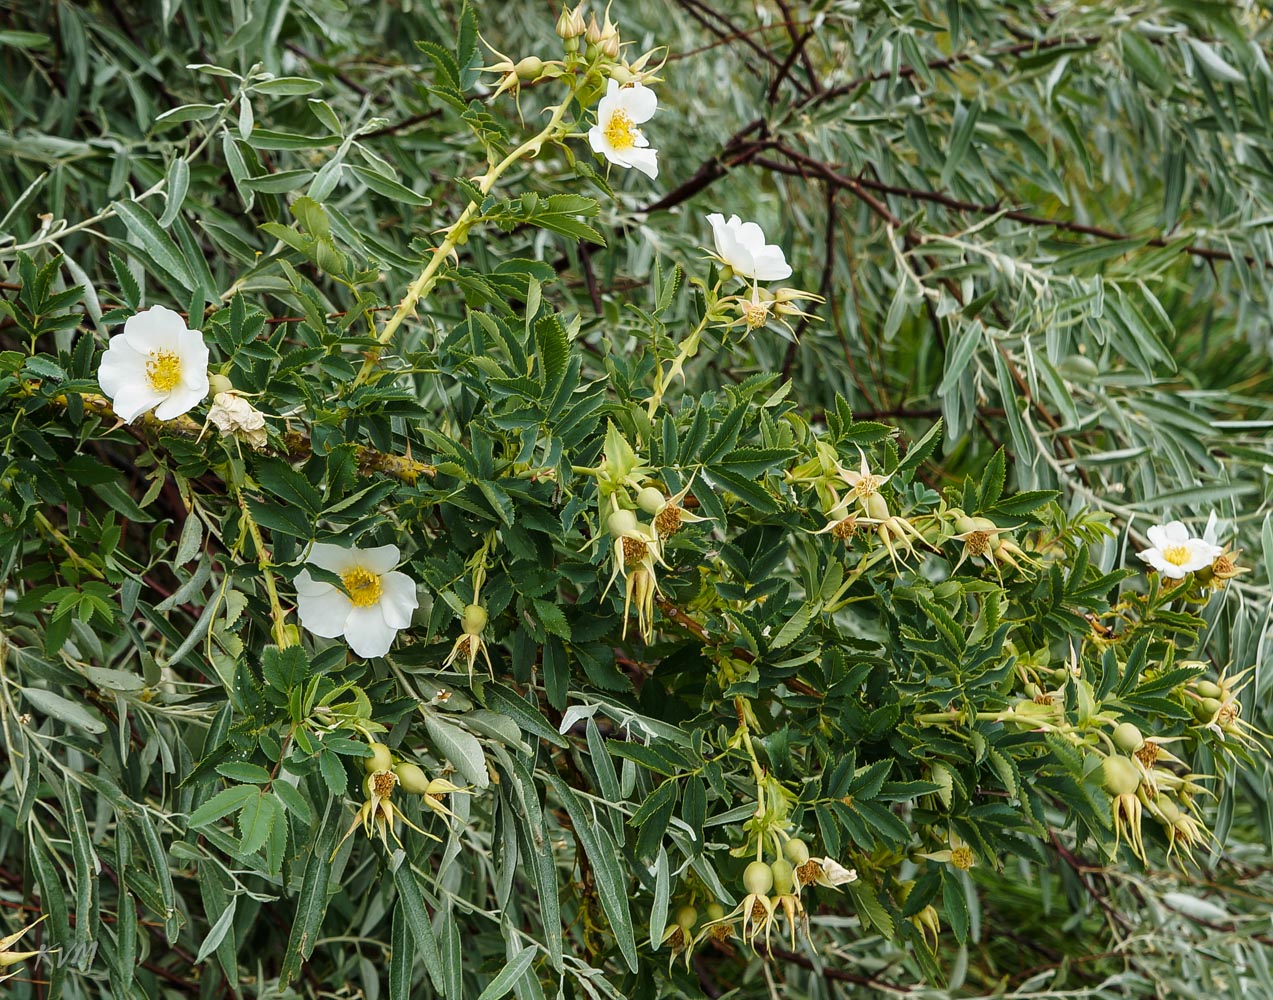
(845, 528)
(668, 520)
(634, 550)
(978, 543)
(163, 370)
(382, 783)
(962, 858)
(755, 314)
(808, 872)
(1177, 555)
(619, 131)
(867, 486)
(363, 586)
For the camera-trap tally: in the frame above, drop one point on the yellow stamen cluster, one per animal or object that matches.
(867, 486)
(963, 858)
(163, 371)
(619, 131)
(383, 782)
(977, 543)
(1177, 555)
(363, 586)
(807, 873)
(755, 314)
(845, 528)
(667, 522)
(1148, 753)
(634, 550)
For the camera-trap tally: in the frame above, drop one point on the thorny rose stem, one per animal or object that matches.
(419, 289)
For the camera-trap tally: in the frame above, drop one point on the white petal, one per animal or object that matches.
(645, 160)
(120, 365)
(1211, 533)
(194, 361)
(381, 559)
(1201, 555)
(598, 141)
(332, 557)
(367, 632)
(307, 585)
(180, 400)
(726, 245)
(771, 265)
(607, 105)
(1158, 536)
(639, 102)
(751, 236)
(398, 599)
(134, 400)
(154, 329)
(741, 259)
(323, 613)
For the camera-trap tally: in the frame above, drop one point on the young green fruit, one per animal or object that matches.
(1127, 737)
(1206, 709)
(381, 758)
(715, 911)
(411, 777)
(796, 852)
(1209, 689)
(687, 917)
(1168, 808)
(784, 876)
(620, 522)
(651, 500)
(1119, 775)
(758, 878)
(475, 619)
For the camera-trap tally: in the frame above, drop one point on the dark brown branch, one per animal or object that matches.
(700, 12)
(709, 172)
(1029, 219)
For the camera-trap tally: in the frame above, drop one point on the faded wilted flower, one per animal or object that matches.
(234, 416)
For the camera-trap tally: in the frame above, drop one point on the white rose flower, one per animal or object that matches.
(156, 363)
(1175, 553)
(742, 246)
(616, 137)
(379, 601)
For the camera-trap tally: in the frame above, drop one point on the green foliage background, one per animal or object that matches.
(1048, 227)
